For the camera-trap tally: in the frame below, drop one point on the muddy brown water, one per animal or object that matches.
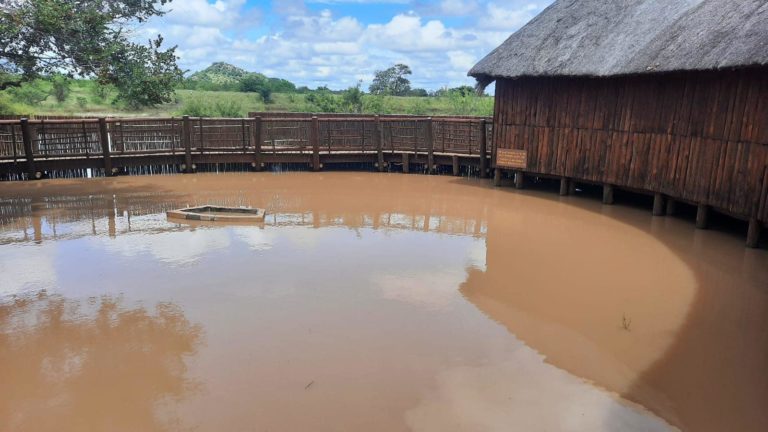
(377, 302)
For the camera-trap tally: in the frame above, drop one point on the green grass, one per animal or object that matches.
(83, 101)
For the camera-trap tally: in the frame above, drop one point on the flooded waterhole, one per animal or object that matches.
(376, 302)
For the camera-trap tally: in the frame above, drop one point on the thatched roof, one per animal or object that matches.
(601, 38)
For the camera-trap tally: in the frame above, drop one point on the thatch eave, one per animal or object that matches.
(594, 38)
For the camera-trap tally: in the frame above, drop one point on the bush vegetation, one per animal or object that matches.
(59, 95)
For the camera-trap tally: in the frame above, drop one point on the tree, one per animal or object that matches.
(88, 38)
(322, 100)
(352, 100)
(60, 87)
(392, 81)
(256, 83)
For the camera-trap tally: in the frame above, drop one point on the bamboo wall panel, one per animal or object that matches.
(700, 137)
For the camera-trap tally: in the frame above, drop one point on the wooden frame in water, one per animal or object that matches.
(215, 213)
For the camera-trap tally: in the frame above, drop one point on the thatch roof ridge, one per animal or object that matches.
(625, 37)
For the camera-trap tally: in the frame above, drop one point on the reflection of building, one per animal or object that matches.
(562, 278)
(668, 97)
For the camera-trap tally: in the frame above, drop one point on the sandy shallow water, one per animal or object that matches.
(377, 302)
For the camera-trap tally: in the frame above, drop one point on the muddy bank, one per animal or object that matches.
(376, 302)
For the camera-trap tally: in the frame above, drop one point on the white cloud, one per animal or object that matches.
(318, 47)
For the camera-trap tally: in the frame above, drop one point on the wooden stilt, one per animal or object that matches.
(607, 194)
(753, 234)
(406, 163)
(497, 177)
(671, 206)
(455, 160)
(564, 189)
(519, 180)
(702, 216)
(658, 205)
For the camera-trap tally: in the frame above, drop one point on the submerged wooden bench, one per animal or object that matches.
(218, 214)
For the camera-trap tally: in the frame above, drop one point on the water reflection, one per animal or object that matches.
(380, 289)
(96, 364)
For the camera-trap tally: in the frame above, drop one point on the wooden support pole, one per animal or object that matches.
(564, 187)
(379, 136)
(314, 138)
(104, 140)
(257, 139)
(26, 136)
(406, 163)
(483, 149)
(497, 177)
(671, 206)
(607, 194)
(658, 205)
(430, 147)
(456, 167)
(753, 234)
(519, 180)
(186, 137)
(702, 216)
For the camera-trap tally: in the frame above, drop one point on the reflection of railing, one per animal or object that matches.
(111, 144)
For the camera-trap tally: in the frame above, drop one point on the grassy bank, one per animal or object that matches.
(86, 98)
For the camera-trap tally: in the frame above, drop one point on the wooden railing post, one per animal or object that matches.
(26, 136)
(244, 130)
(314, 138)
(430, 147)
(104, 140)
(186, 137)
(257, 140)
(379, 136)
(658, 204)
(483, 149)
(753, 233)
(608, 194)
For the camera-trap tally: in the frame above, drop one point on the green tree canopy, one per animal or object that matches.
(392, 81)
(87, 38)
(256, 83)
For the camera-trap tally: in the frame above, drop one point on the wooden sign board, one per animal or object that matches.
(508, 158)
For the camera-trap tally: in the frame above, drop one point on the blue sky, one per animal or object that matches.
(341, 42)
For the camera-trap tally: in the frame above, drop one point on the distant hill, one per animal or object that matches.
(224, 76)
(219, 73)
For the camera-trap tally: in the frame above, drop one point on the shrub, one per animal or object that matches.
(322, 100)
(8, 107)
(100, 92)
(352, 100)
(228, 108)
(82, 102)
(61, 87)
(29, 94)
(419, 107)
(198, 107)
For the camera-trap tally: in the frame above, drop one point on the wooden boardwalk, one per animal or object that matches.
(32, 149)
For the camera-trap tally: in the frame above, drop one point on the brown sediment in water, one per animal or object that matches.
(347, 311)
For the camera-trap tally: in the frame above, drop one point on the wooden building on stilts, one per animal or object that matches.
(665, 97)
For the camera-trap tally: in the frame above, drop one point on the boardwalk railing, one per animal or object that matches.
(32, 148)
